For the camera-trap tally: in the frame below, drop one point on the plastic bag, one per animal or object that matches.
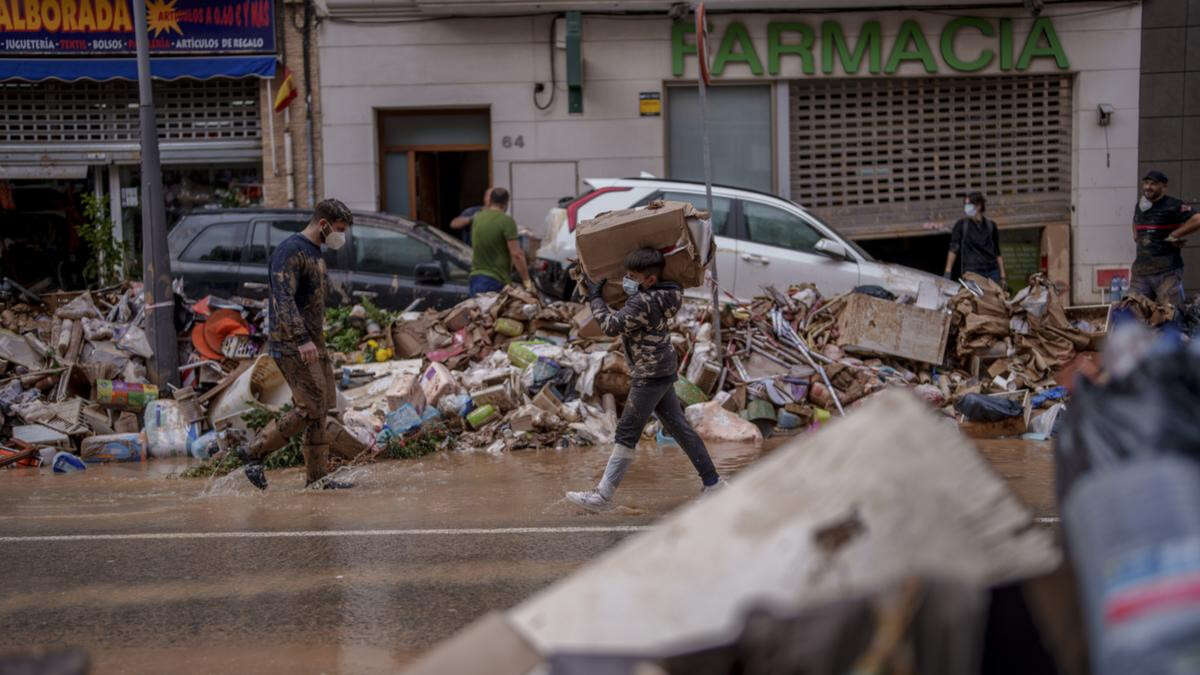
(716, 424)
(980, 408)
(1148, 409)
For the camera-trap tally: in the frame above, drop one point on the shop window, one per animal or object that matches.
(775, 227)
(217, 243)
(739, 129)
(380, 250)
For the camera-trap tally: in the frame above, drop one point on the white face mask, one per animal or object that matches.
(969, 209)
(335, 240)
(1144, 203)
(630, 286)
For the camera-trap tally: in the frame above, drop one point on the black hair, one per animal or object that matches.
(645, 261)
(334, 211)
(977, 199)
(499, 196)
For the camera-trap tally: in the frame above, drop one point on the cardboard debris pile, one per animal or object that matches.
(506, 371)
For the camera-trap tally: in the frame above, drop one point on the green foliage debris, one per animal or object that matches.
(256, 418)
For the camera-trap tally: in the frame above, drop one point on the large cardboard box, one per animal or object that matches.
(871, 325)
(671, 227)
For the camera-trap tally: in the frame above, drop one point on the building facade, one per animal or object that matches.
(1169, 133)
(69, 119)
(878, 122)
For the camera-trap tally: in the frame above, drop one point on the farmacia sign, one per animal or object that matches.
(825, 45)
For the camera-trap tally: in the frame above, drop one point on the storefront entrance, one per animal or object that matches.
(64, 140)
(434, 163)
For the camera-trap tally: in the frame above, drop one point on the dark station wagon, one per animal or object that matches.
(392, 261)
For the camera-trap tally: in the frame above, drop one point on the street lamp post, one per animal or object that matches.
(156, 263)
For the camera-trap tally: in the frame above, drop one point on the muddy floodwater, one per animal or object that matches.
(144, 569)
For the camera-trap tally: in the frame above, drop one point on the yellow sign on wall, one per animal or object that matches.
(650, 103)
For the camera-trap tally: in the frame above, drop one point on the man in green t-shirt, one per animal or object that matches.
(494, 247)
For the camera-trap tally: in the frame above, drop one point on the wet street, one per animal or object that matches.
(153, 573)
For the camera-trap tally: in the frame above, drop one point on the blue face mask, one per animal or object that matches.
(630, 286)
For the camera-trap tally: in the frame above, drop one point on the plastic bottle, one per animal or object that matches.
(481, 415)
(1117, 288)
(65, 462)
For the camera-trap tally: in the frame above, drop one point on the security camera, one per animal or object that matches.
(1104, 113)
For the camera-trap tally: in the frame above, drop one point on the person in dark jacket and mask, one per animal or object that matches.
(975, 242)
(1160, 225)
(299, 284)
(642, 324)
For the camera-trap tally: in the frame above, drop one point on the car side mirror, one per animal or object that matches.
(430, 274)
(835, 249)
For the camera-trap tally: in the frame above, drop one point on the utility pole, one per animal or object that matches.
(702, 82)
(156, 263)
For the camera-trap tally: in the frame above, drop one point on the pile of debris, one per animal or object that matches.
(507, 371)
(74, 385)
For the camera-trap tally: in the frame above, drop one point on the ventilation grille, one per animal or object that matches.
(875, 142)
(107, 112)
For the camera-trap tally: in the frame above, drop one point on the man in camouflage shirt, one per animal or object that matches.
(299, 284)
(643, 326)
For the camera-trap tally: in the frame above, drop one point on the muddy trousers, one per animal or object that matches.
(313, 396)
(648, 396)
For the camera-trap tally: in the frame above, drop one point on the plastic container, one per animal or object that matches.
(520, 354)
(167, 432)
(205, 445)
(788, 420)
(509, 327)
(664, 441)
(403, 419)
(125, 395)
(1134, 535)
(455, 404)
(482, 415)
(113, 448)
(65, 462)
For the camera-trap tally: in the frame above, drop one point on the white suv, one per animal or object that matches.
(762, 240)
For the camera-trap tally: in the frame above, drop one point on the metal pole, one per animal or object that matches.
(704, 144)
(156, 265)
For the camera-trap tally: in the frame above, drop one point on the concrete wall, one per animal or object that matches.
(494, 63)
(1170, 105)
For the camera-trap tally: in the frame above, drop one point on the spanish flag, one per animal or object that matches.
(287, 91)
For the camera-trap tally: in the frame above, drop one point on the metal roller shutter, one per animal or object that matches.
(880, 157)
(198, 121)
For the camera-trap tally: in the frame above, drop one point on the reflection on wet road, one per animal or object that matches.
(144, 569)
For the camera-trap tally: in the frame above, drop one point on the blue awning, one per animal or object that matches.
(161, 68)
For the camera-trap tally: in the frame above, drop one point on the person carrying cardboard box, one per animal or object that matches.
(642, 325)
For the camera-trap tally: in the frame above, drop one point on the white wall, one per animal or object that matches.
(494, 62)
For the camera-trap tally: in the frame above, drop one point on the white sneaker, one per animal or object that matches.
(721, 484)
(590, 500)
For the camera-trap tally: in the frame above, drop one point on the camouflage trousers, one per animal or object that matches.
(314, 397)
